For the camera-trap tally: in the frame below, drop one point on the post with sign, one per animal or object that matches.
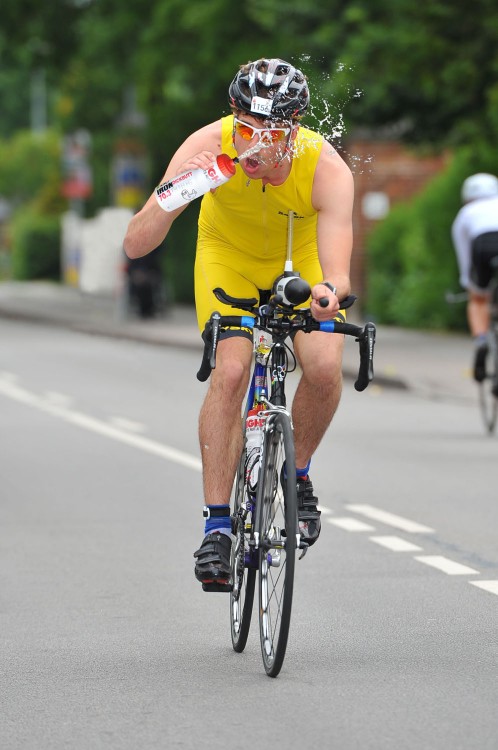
(77, 187)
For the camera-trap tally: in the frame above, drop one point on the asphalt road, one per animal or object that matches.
(107, 640)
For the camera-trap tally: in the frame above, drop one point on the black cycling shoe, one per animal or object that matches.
(480, 362)
(212, 567)
(307, 511)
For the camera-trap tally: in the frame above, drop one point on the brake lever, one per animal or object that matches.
(210, 337)
(366, 343)
(215, 333)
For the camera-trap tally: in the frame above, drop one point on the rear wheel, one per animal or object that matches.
(488, 389)
(277, 525)
(243, 564)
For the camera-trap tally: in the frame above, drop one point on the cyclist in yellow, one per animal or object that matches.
(241, 247)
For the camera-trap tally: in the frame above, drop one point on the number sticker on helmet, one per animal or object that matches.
(261, 106)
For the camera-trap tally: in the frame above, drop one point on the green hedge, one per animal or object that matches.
(36, 245)
(179, 255)
(411, 261)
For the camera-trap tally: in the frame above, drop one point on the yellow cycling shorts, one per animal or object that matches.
(219, 264)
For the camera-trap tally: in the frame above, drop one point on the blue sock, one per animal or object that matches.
(300, 473)
(303, 473)
(481, 339)
(222, 524)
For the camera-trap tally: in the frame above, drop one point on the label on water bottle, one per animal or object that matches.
(254, 436)
(255, 423)
(184, 188)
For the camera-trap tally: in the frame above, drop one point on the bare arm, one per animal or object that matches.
(151, 224)
(333, 194)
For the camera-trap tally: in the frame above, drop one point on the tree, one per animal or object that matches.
(33, 36)
(430, 68)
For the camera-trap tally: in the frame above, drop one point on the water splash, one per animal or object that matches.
(250, 151)
(330, 94)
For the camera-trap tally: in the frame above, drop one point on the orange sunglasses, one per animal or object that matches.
(269, 135)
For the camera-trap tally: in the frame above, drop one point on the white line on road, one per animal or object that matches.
(127, 424)
(395, 543)
(390, 519)
(491, 586)
(447, 566)
(350, 524)
(11, 390)
(59, 398)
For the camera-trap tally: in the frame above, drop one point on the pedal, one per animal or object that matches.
(215, 586)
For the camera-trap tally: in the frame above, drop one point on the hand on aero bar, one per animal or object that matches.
(319, 312)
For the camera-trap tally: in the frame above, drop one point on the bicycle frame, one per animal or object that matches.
(278, 372)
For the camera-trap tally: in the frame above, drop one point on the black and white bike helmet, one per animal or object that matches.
(270, 88)
(481, 185)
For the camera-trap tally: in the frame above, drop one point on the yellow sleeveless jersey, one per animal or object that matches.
(242, 240)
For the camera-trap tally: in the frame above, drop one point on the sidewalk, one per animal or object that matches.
(436, 365)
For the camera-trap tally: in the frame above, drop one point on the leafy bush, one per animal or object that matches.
(411, 261)
(31, 170)
(35, 246)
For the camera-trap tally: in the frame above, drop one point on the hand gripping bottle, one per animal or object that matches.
(254, 439)
(185, 187)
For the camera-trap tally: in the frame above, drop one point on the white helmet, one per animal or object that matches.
(481, 185)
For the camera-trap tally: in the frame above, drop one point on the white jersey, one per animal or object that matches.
(473, 219)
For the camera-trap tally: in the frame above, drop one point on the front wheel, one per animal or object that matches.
(277, 525)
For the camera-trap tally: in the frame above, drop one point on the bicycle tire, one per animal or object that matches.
(243, 570)
(277, 525)
(488, 389)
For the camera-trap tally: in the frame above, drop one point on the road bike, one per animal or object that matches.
(264, 516)
(488, 387)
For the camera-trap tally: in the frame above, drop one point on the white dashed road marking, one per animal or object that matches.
(350, 524)
(395, 543)
(491, 586)
(449, 567)
(390, 519)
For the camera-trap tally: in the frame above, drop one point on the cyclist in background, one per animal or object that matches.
(241, 247)
(475, 238)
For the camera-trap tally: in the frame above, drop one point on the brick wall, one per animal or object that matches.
(385, 172)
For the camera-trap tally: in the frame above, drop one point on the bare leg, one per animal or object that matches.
(319, 390)
(478, 313)
(220, 433)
